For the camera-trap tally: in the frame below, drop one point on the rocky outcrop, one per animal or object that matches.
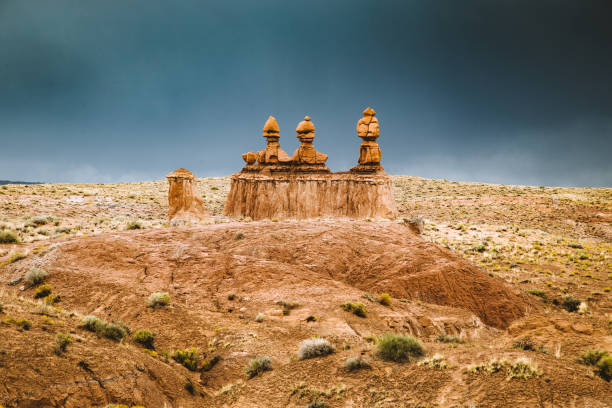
(184, 202)
(310, 195)
(273, 185)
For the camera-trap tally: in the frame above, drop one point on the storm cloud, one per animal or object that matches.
(513, 92)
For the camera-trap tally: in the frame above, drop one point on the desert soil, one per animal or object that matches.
(493, 266)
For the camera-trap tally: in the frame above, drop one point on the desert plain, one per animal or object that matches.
(104, 302)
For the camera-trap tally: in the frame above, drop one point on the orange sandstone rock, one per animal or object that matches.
(368, 130)
(184, 202)
(306, 153)
(303, 186)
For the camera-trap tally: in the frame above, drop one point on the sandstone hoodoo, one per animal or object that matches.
(184, 202)
(369, 152)
(274, 185)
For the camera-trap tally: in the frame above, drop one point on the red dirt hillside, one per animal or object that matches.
(295, 275)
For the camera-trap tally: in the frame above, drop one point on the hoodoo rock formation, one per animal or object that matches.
(274, 185)
(184, 202)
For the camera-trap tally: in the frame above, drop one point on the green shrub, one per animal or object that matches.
(604, 367)
(103, 328)
(133, 225)
(315, 347)
(1, 307)
(146, 338)
(114, 331)
(356, 363)
(599, 359)
(525, 344)
(35, 276)
(8, 237)
(239, 236)
(287, 306)
(522, 368)
(258, 366)
(62, 340)
(22, 323)
(158, 299)
(570, 304)
(17, 256)
(188, 358)
(393, 347)
(41, 219)
(592, 357)
(42, 291)
(385, 299)
(537, 292)
(52, 299)
(358, 309)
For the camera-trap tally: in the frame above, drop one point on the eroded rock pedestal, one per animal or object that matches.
(274, 185)
(184, 202)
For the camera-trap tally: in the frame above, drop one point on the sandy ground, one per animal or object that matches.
(493, 266)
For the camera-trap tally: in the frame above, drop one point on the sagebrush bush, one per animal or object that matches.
(385, 299)
(133, 225)
(114, 331)
(35, 276)
(8, 237)
(146, 338)
(522, 368)
(358, 309)
(41, 219)
(356, 363)
(537, 292)
(315, 347)
(158, 299)
(188, 358)
(393, 347)
(24, 324)
(103, 328)
(570, 304)
(44, 309)
(604, 367)
(52, 299)
(592, 357)
(599, 359)
(524, 344)
(258, 366)
(17, 256)
(42, 291)
(62, 340)
(260, 317)
(1, 307)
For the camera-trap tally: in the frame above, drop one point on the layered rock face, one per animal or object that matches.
(184, 202)
(273, 185)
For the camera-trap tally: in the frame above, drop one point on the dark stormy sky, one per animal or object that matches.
(497, 91)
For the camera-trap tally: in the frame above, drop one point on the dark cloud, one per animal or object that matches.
(505, 91)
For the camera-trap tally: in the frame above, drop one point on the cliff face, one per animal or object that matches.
(295, 195)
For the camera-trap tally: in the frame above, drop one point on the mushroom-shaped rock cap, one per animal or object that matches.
(271, 126)
(369, 112)
(181, 173)
(306, 126)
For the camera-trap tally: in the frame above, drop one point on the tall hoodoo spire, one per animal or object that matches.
(271, 128)
(368, 130)
(306, 153)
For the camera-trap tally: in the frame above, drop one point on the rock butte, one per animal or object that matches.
(274, 185)
(184, 202)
